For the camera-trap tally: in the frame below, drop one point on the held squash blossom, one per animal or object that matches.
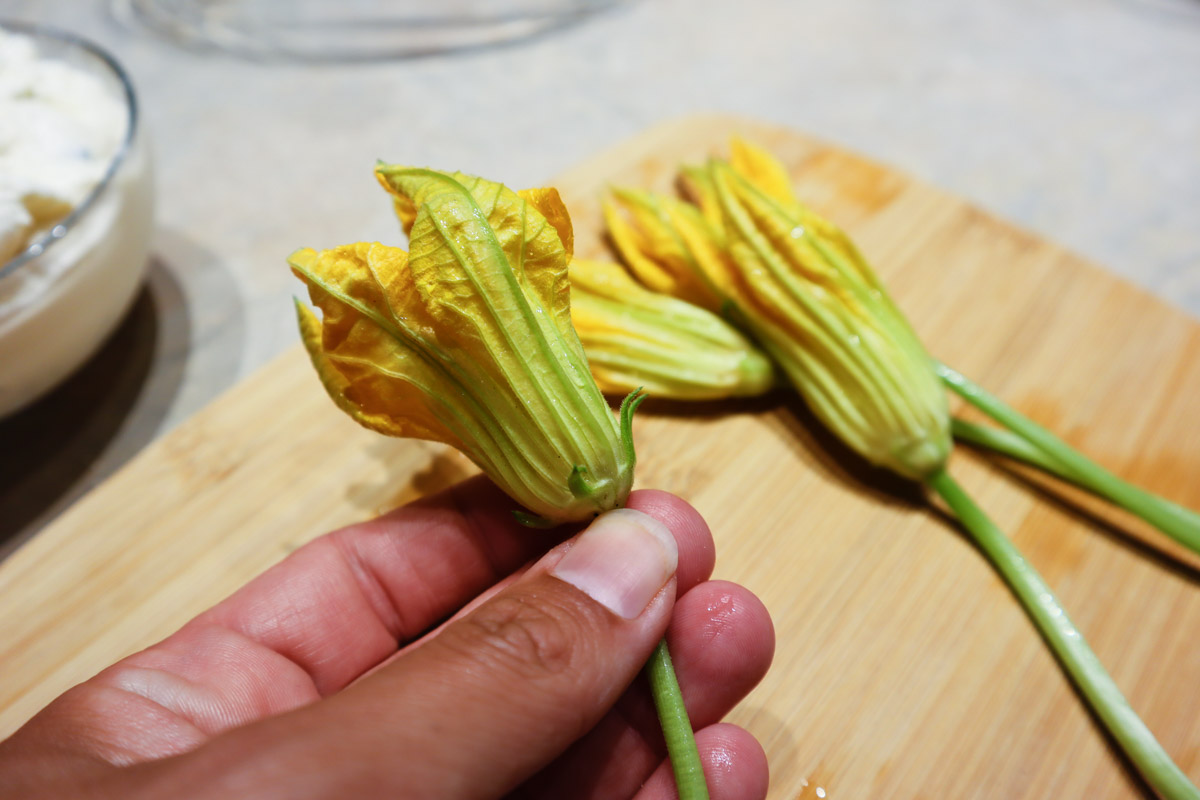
(467, 339)
(635, 338)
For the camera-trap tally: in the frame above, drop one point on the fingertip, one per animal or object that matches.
(721, 635)
(697, 552)
(722, 642)
(735, 764)
(623, 561)
(735, 767)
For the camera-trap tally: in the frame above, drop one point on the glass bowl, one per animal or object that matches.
(63, 295)
(354, 30)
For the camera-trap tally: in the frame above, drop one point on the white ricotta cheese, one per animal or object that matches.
(59, 130)
(62, 124)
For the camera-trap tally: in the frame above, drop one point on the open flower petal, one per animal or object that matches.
(367, 375)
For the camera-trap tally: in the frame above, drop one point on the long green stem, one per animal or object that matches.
(1085, 669)
(1181, 524)
(676, 727)
(1010, 444)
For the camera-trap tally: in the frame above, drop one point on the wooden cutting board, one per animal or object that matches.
(904, 667)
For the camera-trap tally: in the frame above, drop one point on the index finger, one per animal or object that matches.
(303, 629)
(345, 601)
(318, 620)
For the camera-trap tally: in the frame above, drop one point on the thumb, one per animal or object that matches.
(498, 693)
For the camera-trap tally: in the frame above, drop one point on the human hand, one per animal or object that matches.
(333, 675)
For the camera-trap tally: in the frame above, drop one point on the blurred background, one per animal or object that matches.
(1078, 119)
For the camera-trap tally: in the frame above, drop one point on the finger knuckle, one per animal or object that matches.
(525, 638)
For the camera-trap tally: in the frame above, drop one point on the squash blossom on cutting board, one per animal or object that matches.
(467, 339)
(799, 285)
(635, 338)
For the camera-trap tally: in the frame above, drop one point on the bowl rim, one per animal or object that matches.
(60, 230)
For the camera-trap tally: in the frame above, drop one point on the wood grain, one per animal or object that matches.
(904, 667)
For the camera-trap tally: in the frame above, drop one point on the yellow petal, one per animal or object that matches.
(763, 171)
(374, 377)
(673, 349)
(605, 279)
(406, 212)
(635, 248)
(642, 228)
(708, 258)
(476, 245)
(698, 187)
(550, 205)
(767, 174)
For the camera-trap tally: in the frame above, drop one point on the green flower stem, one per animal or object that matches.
(1085, 669)
(676, 727)
(1181, 524)
(664, 686)
(1016, 447)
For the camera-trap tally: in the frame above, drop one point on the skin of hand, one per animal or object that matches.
(440, 651)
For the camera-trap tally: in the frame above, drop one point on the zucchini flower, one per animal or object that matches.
(844, 344)
(859, 364)
(637, 338)
(467, 339)
(798, 284)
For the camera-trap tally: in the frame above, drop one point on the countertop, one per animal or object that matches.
(1079, 120)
